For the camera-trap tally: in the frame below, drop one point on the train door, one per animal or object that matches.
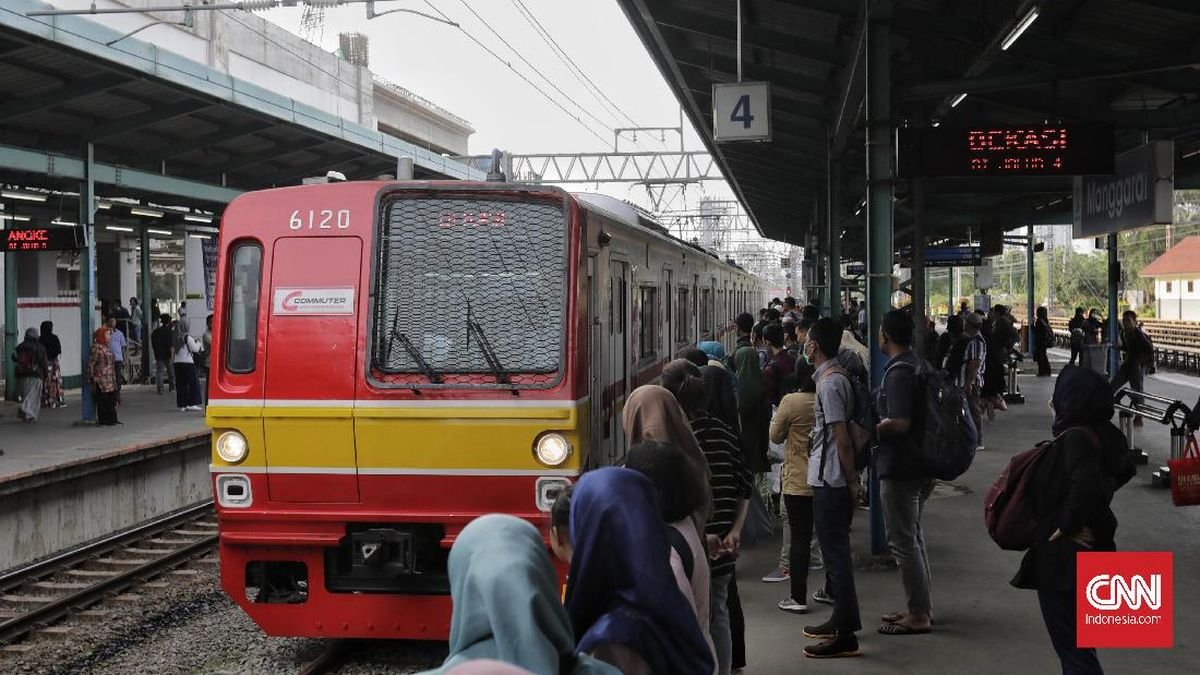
(618, 354)
(312, 337)
(597, 335)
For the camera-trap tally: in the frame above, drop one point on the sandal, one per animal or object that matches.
(896, 617)
(901, 629)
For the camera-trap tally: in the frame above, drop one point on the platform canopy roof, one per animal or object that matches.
(1131, 64)
(149, 111)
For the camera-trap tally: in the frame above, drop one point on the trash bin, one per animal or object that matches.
(1094, 357)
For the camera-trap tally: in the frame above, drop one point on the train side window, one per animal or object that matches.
(241, 320)
(681, 316)
(648, 323)
(705, 302)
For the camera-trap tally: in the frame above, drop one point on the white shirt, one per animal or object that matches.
(184, 353)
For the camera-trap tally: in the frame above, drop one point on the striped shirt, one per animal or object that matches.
(976, 351)
(730, 480)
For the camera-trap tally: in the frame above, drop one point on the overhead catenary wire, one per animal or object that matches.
(521, 75)
(597, 93)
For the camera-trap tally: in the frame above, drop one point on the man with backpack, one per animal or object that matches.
(968, 358)
(833, 475)
(905, 484)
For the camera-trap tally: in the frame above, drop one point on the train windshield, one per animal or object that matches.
(470, 287)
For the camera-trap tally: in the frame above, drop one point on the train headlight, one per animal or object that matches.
(232, 447)
(552, 449)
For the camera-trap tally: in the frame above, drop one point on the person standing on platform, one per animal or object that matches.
(52, 389)
(135, 320)
(969, 374)
(945, 341)
(203, 358)
(793, 425)
(1139, 355)
(103, 375)
(160, 342)
(753, 409)
(1044, 337)
(117, 343)
(30, 357)
(904, 484)
(836, 486)
(187, 388)
(1071, 489)
(1075, 326)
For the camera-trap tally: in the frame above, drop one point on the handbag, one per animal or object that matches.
(1185, 474)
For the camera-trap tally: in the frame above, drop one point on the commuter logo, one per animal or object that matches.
(313, 301)
(1125, 599)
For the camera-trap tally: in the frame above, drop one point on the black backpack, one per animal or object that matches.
(678, 542)
(944, 432)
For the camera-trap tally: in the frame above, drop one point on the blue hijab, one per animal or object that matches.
(506, 606)
(620, 589)
(714, 349)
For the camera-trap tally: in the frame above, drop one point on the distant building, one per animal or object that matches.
(1176, 275)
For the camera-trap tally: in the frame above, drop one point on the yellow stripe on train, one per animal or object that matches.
(383, 437)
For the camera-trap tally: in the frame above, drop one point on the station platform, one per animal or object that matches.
(58, 439)
(984, 625)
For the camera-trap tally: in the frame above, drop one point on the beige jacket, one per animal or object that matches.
(793, 422)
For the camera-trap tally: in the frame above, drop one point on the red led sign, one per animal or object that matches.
(43, 239)
(1031, 150)
(472, 219)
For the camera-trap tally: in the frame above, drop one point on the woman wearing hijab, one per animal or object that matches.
(753, 409)
(652, 414)
(621, 595)
(102, 371)
(715, 352)
(31, 368)
(506, 602)
(1072, 488)
(187, 383)
(52, 391)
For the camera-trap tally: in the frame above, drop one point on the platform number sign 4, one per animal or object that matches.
(741, 111)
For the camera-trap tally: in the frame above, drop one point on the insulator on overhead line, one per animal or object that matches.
(324, 3)
(259, 5)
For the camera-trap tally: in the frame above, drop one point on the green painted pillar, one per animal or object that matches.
(87, 279)
(833, 247)
(144, 305)
(879, 215)
(10, 325)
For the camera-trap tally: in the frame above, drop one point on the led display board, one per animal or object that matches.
(985, 150)
(67, 238)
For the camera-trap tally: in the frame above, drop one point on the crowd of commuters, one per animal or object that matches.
(180, 362)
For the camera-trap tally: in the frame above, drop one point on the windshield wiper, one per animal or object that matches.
(415, 355)
(490, 354)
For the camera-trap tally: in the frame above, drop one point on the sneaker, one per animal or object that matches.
(824, 631)
(979, 448)
(836, 647)
(822, 597)
(194, 407)
(777, 575)
(183, 410)
(816, 564)
(790, 605)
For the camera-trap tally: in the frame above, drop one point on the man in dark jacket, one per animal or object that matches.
(1072, 488)
(1075, 326)
(1139, 355)
(780, 364)
(160, 343)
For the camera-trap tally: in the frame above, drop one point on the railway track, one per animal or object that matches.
(39, 595)
(331, 658)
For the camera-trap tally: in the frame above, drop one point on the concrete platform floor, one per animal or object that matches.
(984, 625)
(57, 438)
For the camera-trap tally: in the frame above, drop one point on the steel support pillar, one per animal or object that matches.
(918, 267)
(87, 279)
(1030, 289)
(1114, 324)
(833, 261)
(11, 334)
(879, 216)
(148, 321)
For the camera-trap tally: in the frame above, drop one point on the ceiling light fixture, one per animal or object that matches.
(165, 233)
(957, 99)
(118, 228)
(146, 212)
(60, 221)
(199, 236)
(27, 196)
(19, 219)
(1020, 28)
(103, 206)
(197, 218)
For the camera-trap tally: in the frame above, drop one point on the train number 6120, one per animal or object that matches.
(319, 219)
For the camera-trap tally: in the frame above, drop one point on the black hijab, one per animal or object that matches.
(720, 398)
(1082, 397)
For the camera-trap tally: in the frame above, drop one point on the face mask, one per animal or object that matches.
(804, 353)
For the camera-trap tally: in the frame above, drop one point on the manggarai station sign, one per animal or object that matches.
(1140, 192)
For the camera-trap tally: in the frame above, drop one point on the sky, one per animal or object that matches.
(443, 64)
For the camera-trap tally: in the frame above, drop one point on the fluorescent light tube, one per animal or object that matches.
(957, 99)
(199, 236)
(27, 196)
(165, 233)
(60, 221)
(118, 228)
(146, 212)
(197, 218)
(1020, 28)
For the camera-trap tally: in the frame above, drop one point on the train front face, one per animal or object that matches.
(390, 362)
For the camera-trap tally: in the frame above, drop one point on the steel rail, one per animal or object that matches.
(72, 557)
